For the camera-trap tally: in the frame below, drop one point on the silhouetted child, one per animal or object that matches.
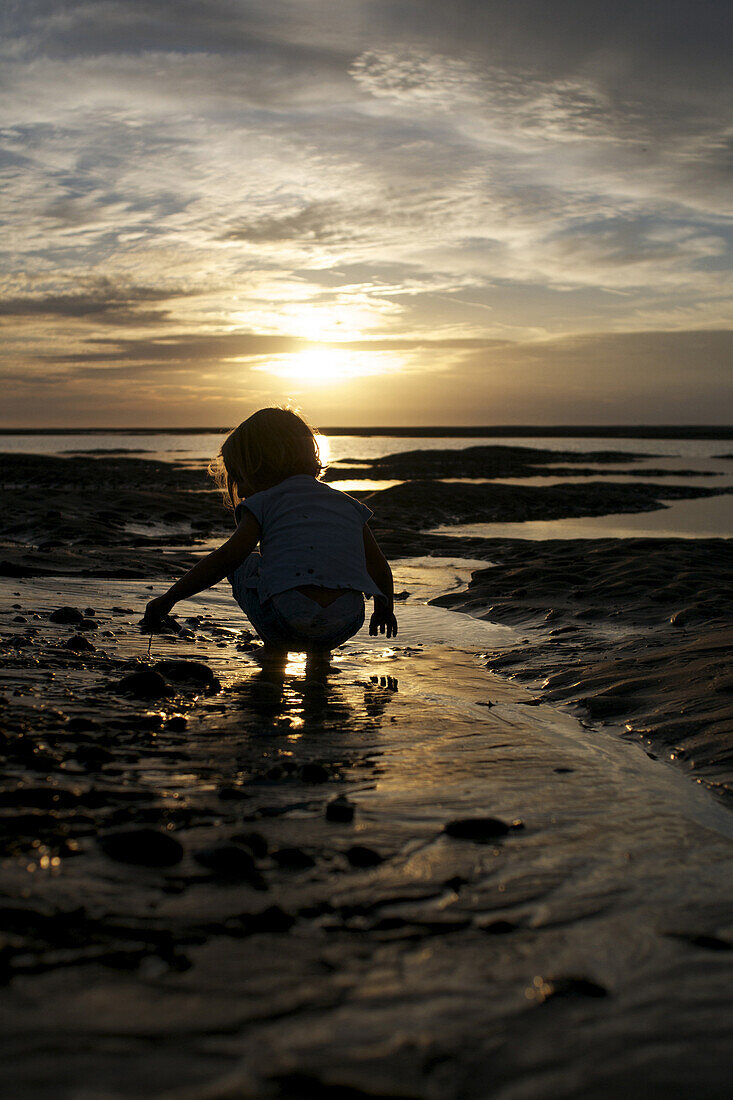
(304, 589)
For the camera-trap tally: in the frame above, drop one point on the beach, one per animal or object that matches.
(490, 858)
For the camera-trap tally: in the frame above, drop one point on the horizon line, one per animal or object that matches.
(650, 431)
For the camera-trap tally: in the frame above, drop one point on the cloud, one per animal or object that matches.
(316, 222)
(243, 179)
(101, 301)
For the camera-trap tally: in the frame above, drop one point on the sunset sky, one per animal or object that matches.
(410, 212)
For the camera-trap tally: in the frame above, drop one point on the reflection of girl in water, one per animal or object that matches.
(304, 589)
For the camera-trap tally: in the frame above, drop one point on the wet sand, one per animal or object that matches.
(635, 633)
(405, 874)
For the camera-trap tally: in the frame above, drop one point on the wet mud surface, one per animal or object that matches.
(396, 875)
(403, 873)
(636, 633)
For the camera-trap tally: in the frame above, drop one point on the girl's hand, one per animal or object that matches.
(383, 620)
(157, 614)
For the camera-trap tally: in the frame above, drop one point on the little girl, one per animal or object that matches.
(304, 589)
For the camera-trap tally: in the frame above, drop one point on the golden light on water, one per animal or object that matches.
(324, 448)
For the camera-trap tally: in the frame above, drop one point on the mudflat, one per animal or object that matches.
(492, 859)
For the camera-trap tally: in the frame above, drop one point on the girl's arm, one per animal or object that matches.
(383, 620)
(209, 570)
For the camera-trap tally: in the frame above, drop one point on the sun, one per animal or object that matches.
(324, 366)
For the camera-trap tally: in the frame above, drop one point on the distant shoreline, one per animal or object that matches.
(614, 431)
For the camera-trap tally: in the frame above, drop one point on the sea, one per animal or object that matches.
(710, 459)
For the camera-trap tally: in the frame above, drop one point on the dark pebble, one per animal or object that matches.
(186, 672)
(231, 862)
(574, 987)
(232, 794)
(361, 856)
(340, 809)
(145, 684)
(19, 619)
(255, 842)
(81, 725)
(293, 858)
(145, 847)
(177, 723)
(79, 644)
(313, 773)
(500, 927)
(272, 919)
(480, 828)
(92, 756)
(90, 612)
(88, 624)
(66, 615)
(273, 774)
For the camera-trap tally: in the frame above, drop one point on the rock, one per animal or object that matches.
(569, 987)
(231, 862)
(313, 773)
(195, 672)
(88, 624)
(361, 856)
(255, 842)
(79, 644)
(293, 859)
(683, 617)
(177, 723)
(89, 612)
(480, 829)
(19, 619)
(340, 809)
(275, 773)
(66, 615)
(144, 684)
(272, 919)
(500, 927)
(145, 847)
(92, 756)
(232, 794)
(81, 725)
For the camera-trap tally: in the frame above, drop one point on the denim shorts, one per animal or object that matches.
(291, 620)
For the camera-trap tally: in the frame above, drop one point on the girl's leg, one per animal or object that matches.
(261, 616)
(314, 628)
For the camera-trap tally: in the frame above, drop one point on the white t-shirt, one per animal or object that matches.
(311, 534)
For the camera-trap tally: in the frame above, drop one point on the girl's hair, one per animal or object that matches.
(269, 446)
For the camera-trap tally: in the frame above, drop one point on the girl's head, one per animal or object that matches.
(269, 446)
